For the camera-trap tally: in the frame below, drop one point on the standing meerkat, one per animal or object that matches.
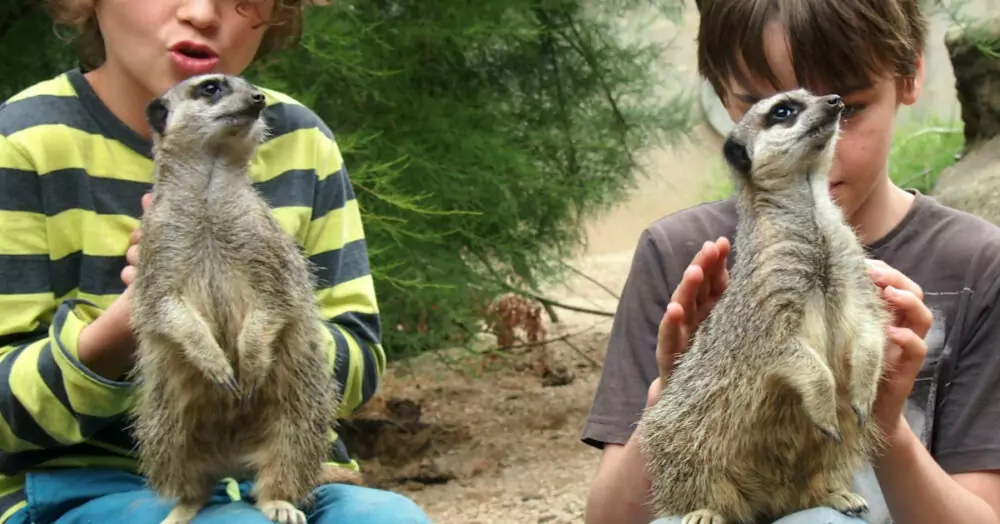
(232, 380)
(769, 411)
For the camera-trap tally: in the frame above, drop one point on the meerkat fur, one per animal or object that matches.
(769, 412)
(232, 377)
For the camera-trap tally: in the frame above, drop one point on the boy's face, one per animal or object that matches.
(861, 157)
(148, 40)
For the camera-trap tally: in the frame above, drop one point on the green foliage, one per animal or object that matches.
(478, 136)
(921, 151)
(31, 49)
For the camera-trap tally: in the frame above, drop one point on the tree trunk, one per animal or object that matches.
(973, 183)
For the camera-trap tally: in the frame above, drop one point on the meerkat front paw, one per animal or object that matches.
(221, 373)
(847, 503)
(281, 512)
(703, 516)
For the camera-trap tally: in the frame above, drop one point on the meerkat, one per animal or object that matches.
(232, 377)
(770, 410)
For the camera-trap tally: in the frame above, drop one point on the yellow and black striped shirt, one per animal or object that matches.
(71, 180)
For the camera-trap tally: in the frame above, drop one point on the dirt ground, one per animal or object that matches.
(497, 439)
(476, 439)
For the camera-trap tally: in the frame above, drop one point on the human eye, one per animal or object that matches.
(851, 109)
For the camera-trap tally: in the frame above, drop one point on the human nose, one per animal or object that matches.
(202, 14)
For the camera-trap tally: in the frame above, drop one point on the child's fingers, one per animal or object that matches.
(904, 359)
(915, 315)
(709, 262)
(132, 255)
(128, 275)
(135, 237)
(686, 294)
(719, 279)
(885, 275)
(146, 199)
(670, 339)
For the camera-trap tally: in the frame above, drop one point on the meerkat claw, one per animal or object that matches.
(231, 385)
(832, 433)
(703, 516)
(860, 414)
(848, 503)
(281, 512)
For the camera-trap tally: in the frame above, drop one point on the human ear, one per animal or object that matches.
(156, 115)
(911, 87)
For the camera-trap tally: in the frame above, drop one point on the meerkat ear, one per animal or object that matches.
(156, 115)
(737, 156)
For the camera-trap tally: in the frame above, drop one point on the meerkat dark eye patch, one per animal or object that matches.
(212, 89)
(736, 154)
(156, 115)
(782, 112)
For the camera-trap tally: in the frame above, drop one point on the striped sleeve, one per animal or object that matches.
(47, 397)
(345, 290)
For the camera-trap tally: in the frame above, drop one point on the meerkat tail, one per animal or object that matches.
(333, 474)
(182, 514)
(255, 347)
(813, 380)
(185, 326)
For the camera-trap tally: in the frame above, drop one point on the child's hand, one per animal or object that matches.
(132, 255)
(700, 287)
(107, 344)
(905, 349)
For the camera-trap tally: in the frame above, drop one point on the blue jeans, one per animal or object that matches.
(77, 496)
(809, 516)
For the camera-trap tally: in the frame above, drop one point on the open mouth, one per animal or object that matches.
(195, 51)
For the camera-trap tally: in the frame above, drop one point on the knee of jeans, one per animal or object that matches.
(820, 515)
(353, 499)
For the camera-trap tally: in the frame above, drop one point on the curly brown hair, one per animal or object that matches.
(285, 26)
(839, 44)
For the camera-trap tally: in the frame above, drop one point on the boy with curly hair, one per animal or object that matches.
(939, 403)
(75, 164)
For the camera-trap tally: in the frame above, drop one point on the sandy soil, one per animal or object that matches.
(475, 439)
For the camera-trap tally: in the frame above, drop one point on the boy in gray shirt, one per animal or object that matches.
(940, 406)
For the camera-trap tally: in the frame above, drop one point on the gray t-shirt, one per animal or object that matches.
(955, 258)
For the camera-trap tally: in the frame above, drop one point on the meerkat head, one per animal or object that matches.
(787, 136)
(211, 109)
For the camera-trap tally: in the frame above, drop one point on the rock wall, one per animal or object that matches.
(973, 183)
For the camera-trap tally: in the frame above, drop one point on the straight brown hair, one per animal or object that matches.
(841, 45)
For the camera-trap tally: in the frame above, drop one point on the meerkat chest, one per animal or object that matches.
(815, 326)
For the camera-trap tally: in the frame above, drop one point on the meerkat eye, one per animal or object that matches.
(781, 112)
(210, 88)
